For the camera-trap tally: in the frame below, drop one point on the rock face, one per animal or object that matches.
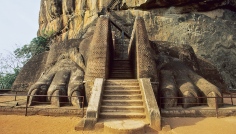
(187, 5)
(211, 34)
(68, 19)
(207, 26)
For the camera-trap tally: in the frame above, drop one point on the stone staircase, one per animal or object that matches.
(121, 48)
(122, 99)
(121, 102)
(121, 69)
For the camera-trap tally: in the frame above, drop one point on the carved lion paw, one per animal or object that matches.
(65, 78)
(181, 85)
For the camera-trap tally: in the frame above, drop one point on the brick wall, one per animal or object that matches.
(99, 53)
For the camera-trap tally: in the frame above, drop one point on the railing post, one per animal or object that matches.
(26, 107)
(231, 99)
(216, 107)
(15, 95)
(83, 106)
(160, 104)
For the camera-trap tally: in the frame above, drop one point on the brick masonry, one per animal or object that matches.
(98, 59)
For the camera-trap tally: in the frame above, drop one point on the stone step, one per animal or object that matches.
(126, 87)
(122, 73)
(121, 41)
(122, 115)
(121, 62)
(122, 97)
(122, 76)
(121, 66)
(122, 103)
(125, 126)
(121, 92)
(125, 61)
(121, 46)
(137, 109)
(122, 80)
(121, 69)
(122, 83)
(119, 38)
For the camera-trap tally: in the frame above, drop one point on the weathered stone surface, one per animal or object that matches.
(186, 5)
(151, 107)
(98, 55)
(212, 30)
(210, 33)
(63, 76)
(20, 110)
(124, 127)
(144, 59)
(168, 89)
(68, 19)
(30, 73)
(93, 109)
(205, 25)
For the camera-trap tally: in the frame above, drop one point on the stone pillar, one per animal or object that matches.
(99, 54)
(146, 65)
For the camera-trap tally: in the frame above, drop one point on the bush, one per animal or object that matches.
(6, 80)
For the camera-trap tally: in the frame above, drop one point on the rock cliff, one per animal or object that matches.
(209, 26)
(184, 46)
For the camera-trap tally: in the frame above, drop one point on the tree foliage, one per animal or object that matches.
(6, 80)
(11, 64)
(36, 46)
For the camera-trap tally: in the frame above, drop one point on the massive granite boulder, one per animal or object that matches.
(207, 26)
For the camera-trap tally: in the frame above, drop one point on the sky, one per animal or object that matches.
(18, 23)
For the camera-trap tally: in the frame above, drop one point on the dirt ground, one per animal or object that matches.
(210, 125)
(15, 124)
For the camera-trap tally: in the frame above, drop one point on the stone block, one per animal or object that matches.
(151, 107)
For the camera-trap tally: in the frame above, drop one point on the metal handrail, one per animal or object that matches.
(27, 100)
(199, 103)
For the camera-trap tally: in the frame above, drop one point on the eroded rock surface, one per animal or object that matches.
(211, 34)
(207, 26)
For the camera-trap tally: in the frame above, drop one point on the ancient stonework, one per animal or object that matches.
(186, 47)
(208, 26)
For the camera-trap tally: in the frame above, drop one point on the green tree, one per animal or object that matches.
(36, 46)
(11, 64)
(6, 80)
